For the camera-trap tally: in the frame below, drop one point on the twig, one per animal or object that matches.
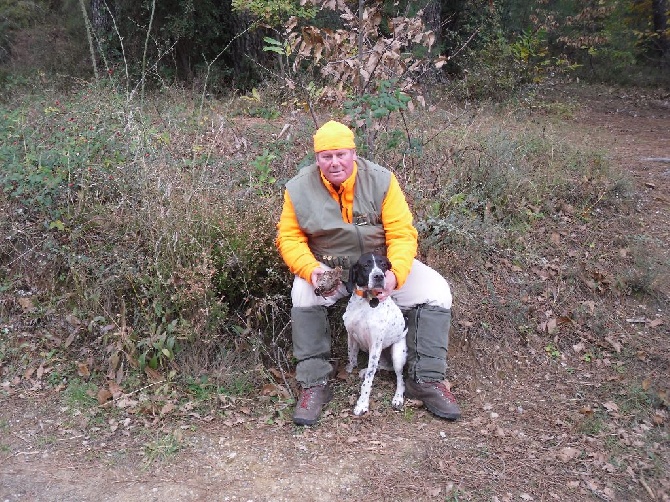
(135, 391)
(89, 37)
(209, 65)
(17, 454)
(144, 53)
(123, 50)
(646, 487)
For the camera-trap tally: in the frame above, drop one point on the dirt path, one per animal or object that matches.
(536, 429)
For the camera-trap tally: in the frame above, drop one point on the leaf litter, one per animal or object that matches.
(586, 420)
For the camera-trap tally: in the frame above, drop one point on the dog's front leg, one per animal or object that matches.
(363, 404)
(399, 353)
(353, 353)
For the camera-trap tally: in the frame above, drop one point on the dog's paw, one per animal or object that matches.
(360, 409)
(349, 368)
(397, 402)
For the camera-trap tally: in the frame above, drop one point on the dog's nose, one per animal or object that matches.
(378, 276)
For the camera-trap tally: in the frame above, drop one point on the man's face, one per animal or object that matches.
(336, 165)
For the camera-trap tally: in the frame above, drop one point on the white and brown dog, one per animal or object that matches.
(373, 326)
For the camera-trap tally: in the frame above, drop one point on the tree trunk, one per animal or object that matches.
(246, 50)
(432, 19)
(100, 18)
(89, 37)
(660, 20)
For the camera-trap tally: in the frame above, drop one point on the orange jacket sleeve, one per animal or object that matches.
(291, 242)
(401, 236)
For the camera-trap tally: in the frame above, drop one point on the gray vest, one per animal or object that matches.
(331, 240)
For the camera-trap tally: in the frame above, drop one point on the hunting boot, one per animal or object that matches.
(427, 342)
(311, 348)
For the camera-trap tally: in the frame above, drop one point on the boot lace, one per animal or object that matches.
(446, 393)
(305, 397)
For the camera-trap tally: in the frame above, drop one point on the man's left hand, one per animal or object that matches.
(391, 283)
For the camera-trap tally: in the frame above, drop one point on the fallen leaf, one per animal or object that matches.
(551, 326)
(615, 344)
(434, 492)
(70, 339)
(83, 371)
(72, 320)
(272, 389)
(104, 395)
(342, 374)
(167, 408)
(658, 418)
(568, 453)
(611, 406)
(276, 373)
(115, 389)
(656, 322)
(153, 375)
(565, 320)
(591, 306)
(609, 493)
(26, 304)
(126, 402)
(578, 347)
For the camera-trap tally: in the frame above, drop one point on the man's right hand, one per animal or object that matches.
(316, 275)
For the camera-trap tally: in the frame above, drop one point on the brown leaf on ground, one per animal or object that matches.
(103, 396)
(26, 304)
(656, 322)
(167, 408)
(611, 406)
(83, 371)
(154, 376)
(568, 453)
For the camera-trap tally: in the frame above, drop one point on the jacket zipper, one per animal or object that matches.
(339, 198)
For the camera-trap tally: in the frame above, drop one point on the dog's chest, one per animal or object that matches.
(367, 324)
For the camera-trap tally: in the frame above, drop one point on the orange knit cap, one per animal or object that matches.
(333, 136)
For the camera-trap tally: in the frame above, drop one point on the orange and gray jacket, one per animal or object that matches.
(368, 213)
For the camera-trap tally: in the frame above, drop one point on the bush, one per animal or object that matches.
(154, 229)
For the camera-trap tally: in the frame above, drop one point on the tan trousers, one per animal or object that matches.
(425, 299)
(424, 286)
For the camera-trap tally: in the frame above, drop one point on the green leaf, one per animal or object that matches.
(57, 224)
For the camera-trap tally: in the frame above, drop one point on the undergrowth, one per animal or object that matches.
(142, 241)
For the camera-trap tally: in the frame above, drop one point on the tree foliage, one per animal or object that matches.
(354, 45)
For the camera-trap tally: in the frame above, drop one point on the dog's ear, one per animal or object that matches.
(387, 263)
(353, 270)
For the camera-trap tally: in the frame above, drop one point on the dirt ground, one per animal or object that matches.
(536, 425)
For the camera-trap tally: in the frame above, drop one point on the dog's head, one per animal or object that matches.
(368, 273)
